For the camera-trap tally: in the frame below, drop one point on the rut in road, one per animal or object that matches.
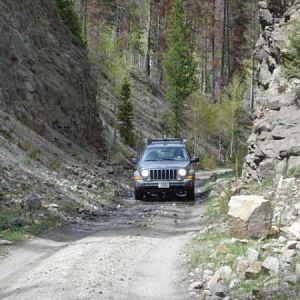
(139, 252)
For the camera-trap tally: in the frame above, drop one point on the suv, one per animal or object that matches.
(164, 168)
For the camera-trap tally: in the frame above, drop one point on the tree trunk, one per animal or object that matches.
(213, 50)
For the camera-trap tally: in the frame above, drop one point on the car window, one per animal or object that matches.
(165, 153)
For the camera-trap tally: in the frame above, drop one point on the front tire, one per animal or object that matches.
(138, 195)
(190, 195)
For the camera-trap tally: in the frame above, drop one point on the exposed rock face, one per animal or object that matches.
(249, 217)
(45, 78)
(274, 143)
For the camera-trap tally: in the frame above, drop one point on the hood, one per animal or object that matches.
(163, 164)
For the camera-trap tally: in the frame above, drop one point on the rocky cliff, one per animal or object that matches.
(274, 145)
(45, 77)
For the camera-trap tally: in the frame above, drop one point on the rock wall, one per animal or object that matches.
(274, 145)
(45, 77)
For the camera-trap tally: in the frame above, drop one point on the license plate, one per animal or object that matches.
(164, 185)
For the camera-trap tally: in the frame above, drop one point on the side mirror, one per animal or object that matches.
(195, 160)
(134, 160)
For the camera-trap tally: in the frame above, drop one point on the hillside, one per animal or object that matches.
(45, 77)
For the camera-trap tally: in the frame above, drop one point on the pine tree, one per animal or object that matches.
(125, 113)
(179, 65)
(70, 18)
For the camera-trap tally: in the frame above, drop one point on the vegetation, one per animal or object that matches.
(194, 51)
(70, 18)
(292, 59)
(15, 224)
(217, 208)
(222, 121)
(180, 66)
(216, 249)
(125, 114)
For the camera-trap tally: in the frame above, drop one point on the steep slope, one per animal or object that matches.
(50, 136)
(273, 147)
(149, 108)
(45, 77)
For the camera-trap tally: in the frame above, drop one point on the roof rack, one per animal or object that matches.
(167, 140)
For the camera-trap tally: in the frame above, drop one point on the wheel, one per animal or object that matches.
(138, 195)
(190, 195)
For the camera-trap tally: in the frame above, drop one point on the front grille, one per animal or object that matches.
(165, 174)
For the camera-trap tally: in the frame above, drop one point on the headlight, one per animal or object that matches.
(182, 172)
(145, 173)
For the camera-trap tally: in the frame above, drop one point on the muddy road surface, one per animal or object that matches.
(136, 252)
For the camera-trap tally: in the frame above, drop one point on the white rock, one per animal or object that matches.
(282, 239)
(297, 272)
(5, 242)
(252, 255)
(288, 255)
(271, 264)
(225, 273)
(207, 274)
(294, 230)
(241, 265)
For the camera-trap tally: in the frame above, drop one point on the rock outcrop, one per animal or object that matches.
(45, 77)
(273, 147)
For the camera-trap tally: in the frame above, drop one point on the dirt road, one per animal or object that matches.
(138, 252)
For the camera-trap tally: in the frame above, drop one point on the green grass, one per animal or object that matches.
(15, 233)
(204, 249)
(207, 251)
(217, 208)
(6, 214)
(2, 251)
(247, 286)
(259, 188)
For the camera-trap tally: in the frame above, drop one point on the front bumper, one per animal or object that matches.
(153, 186)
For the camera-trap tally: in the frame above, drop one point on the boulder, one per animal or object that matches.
(249, 217)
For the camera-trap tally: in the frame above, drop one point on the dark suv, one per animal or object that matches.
(164, 168)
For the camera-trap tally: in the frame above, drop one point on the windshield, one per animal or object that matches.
(165, 153)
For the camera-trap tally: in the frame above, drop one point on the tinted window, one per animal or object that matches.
(165, 153)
